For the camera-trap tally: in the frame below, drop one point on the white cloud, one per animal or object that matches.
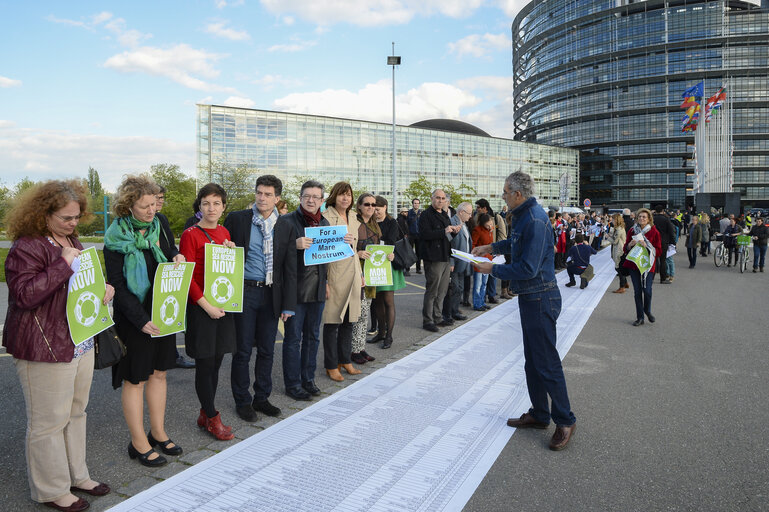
(219, 29)
(4, 123)
(512, 7)
(501, 87)
(269, 82)
(374, 102)
(181, 63)
(51, 154)
(496, 113)
(478, 45)
(370, 12)
(288, 20)
(126, 37)
(297, 46)
(236, 101)
(6, 82)
(221, 4)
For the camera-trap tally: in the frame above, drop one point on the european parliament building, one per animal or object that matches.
(606, 77)
(331, 149)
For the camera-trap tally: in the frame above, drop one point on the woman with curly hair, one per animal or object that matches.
(133, 248)
(55, 375)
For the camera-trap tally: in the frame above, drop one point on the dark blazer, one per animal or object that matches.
(284, 265)
(666, 229)
(390, 231)
(434, 244)
(297, 224)
(165, 232)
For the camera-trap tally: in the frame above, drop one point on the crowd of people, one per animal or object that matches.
(56, 375)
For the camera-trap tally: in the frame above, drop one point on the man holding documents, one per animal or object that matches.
(459, 267)
(532, 277)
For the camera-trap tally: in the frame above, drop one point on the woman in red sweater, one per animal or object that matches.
(210, 331)
(482, 235)
(643, 233)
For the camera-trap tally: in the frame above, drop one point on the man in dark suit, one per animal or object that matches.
(269, 294)
(435, 234)
(459, 268)
(667, 235)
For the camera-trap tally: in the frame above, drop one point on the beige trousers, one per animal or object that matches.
(56, 395)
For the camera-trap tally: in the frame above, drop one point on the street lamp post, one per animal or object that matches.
(393, 61)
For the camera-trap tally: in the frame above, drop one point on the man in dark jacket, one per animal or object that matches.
(760, 234)
(435, 234)
(413, 223)
(667, 235)
(302, 336)
(269, 293)
(403, 225)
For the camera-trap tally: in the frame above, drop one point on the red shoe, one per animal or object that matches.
(219, 431)
(202, 421)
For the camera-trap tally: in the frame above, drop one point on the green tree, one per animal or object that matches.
(5, 203)
(238, 181)
(22, 186)
(93, 223)
(94, 184)
(180, 194)
(422, 189)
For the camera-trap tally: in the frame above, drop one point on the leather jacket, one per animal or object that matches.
(36, 326)
(530, 244)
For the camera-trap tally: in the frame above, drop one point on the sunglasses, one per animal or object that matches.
(368, 204)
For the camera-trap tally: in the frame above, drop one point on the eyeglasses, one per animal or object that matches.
(69, 218)
(314, 198)
(368, 204)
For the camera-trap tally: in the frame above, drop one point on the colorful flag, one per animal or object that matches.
(714, 102)
(688, 102)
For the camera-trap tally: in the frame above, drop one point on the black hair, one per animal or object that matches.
(211, 189)
(579, 238)
(270, 180)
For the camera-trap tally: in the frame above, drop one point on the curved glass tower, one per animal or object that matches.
(606, 77)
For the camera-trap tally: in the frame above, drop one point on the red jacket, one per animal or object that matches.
(36, 326)
(654, 237)
(482, 236)
(193, 246)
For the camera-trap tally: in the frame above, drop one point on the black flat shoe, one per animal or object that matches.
(174, 450)
(144, 457)
(651, 317)
(101, 489)
(638, 322)
(367, 356)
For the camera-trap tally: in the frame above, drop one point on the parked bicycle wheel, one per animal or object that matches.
(718, 255)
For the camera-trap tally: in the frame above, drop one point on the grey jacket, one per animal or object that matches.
(461, 242)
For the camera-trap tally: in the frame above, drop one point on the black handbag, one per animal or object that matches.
(621, 269)
(404, 255)
(109, 349)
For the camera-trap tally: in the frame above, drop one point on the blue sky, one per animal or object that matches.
(114, 85)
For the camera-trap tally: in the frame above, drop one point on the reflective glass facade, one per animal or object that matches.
(606, 77)
(332, 149)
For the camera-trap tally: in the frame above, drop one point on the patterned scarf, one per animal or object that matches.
(267, 226)
(652, 253)
(124, 236)
(312, 219)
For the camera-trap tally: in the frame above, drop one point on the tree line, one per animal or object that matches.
(238, 181)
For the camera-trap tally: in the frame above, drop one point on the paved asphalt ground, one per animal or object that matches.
(670, 416)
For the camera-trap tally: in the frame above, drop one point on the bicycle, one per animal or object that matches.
(743, 254)
(720, 254)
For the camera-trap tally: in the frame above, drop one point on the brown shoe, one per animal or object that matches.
(349, 368)
(562, 436)
(526, 421)
(621, 289)
(627, 285)
(334, 374)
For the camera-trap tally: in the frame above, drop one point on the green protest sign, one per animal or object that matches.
(223, 277)
(377, 270)
(87, 316)
(640, 256)
(169, 297)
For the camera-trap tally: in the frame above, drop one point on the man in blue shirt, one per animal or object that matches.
(532, 276)
(269, 293)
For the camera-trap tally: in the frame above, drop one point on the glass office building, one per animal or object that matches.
(606, 77)
(331, 149)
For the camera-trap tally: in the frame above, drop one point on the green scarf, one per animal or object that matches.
(123, 236)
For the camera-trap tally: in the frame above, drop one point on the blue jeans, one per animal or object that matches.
(642, 294)
(479, 289)
(300, 344)
(491, 287)
(759, 255)
(256, 325)
(544, 373)
(671, 266)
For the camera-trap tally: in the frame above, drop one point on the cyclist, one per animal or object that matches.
(730, 240)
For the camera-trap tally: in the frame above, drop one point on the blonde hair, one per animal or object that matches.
(131, 190)
(648, 213)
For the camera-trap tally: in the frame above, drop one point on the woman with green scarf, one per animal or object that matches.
(133, 248)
